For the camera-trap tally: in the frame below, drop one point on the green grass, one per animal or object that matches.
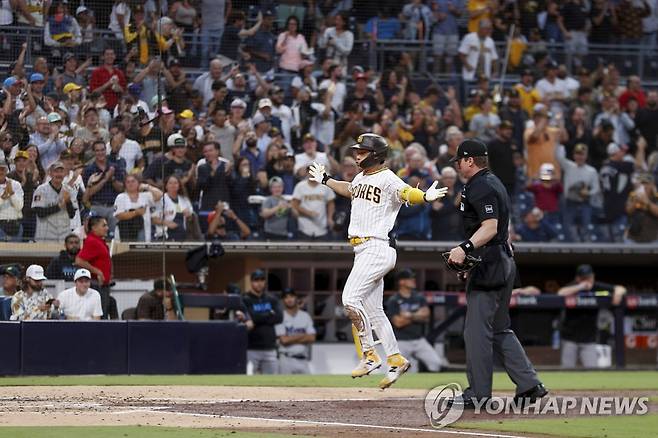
(638, 426)
(127, 432)
(555, 380)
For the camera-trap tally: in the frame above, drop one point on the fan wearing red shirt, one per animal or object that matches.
(633, 90)
(108, 80)
(95, 256)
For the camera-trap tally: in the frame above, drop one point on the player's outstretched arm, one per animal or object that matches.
(318, 174)
(414, 195)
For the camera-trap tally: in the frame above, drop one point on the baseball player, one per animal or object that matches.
(377, 195)
(296, 334)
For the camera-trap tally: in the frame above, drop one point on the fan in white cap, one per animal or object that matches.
(35, 272)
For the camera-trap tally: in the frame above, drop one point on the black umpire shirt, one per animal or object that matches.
(484, 197)
(397, 304)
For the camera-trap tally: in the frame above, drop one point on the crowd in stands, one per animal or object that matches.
(129, 135)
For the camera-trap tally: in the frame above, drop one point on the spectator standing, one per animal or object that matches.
(645, 120)
(11, 205)
(479, 10)
(579, 333)
(603, 15)
(528, 94)
(121, 146)
(478, 53)
(311, 154)
(621, 121)
(547, 191)
(541, 140)
(260, 46)
(132, 210)
(204, 83)
(650, 26)
(63, 266)
(47, 141)
(174, 212)
(235, 33)
(409, 313)
(33, 302)
(616, 184)
(581, 185)
(363, 95)
(157, 305)
(95, 257)
(552, 89)
(501, 156)
(225, 134)
(291, 46)
(629, 20)
(282, 112)
(573, 22)
(91, 129)
(53, 206)
(633, 90)
(213, 21)
(276, 212)
(296, 334)
(29, 179)
(642, 210)
(578, 129)
(313, 204)
(417, 18)
(61, 30)
(81, 302)
(445, 33)
(103, 178)
(108, 79)
(265, 311)
(384, 26)
(445, 215)
(516, 115)
(485, 123)
(337, 41)
(213, 179)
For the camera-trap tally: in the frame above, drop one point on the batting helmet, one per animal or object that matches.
(377, 146)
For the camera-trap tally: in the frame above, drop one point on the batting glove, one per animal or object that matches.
(317, 173)
(432, 194)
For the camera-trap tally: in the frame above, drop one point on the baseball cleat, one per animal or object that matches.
(369, 363)
(397, 365)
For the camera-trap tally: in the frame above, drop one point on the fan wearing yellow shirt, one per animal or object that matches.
(528, 94)
(479, 10)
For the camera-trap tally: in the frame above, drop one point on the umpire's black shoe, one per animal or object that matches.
(467, 403)
(534, 393)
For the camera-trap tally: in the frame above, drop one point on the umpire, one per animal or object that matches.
(485, 208)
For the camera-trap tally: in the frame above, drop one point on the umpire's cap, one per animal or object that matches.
(470, 148)
(406, 274)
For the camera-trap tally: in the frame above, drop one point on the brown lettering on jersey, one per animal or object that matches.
(367, 192)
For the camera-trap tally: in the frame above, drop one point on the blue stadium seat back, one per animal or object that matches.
(5, 309)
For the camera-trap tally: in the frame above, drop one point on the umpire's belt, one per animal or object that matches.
(356, 241)
(295, 356)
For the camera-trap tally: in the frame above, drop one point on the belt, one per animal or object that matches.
(295, 356)
(356, 241)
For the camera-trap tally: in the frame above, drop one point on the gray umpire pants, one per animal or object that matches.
(263, 361)
(420, 350)
(487, 332)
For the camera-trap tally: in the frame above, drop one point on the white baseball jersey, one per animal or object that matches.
(375, 203)
(56, 225)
